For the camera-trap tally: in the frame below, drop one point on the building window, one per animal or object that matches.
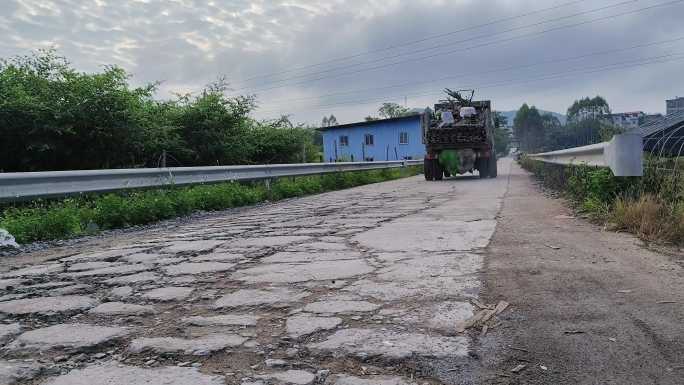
(403, 138)
(344, 140)
(369, 139)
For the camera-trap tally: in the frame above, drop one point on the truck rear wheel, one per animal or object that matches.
(492, 166)
(483, 168)
(437, 170)
(427, 169)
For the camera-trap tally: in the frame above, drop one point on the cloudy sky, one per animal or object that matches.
(309, 58)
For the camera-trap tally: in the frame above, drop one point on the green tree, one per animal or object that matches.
(502, 136)
(392, 110)
(53, 117)
(329, 121)
(588, 108)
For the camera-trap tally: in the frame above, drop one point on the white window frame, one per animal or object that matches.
(345, 142)
(370, 142)
(405, 135)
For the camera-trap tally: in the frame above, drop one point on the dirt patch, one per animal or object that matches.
(588, 306)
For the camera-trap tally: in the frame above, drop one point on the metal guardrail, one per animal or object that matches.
(623, 155)
(30, 185)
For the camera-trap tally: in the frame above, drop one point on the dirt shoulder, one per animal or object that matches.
(592, 306)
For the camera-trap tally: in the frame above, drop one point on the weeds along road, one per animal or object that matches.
(365, 286)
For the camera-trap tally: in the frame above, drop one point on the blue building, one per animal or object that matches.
(375, 140)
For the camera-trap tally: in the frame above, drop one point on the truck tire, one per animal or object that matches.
(492, 166)
(483, 168)
(438, 171)
(427, 169)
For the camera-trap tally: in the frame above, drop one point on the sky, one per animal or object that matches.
(309, 59)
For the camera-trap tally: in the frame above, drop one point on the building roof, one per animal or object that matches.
(370, 122)
(663, 123)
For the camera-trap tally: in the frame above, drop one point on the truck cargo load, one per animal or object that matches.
(459, 137)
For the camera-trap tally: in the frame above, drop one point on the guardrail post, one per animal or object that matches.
(624, 155)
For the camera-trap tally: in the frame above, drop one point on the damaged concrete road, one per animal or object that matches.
(366, 286)
(359, 286)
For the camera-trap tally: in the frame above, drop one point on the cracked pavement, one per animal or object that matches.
(360, 286)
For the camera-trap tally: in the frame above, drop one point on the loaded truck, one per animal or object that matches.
(459, 137)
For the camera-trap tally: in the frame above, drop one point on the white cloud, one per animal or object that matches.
(188, 43)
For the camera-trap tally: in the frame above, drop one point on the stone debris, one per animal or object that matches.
(17, 372)
(8, 331)
(120, 308)
(441, 316)
(7, 241)
(48, 305)
(92, 265)
(340, 306)
(116, 374)
(275, 363)
(133, 279)
(305, 324)
(343, 379)
(218, 256)
(191, 246)
(197, 268)
(268, 241)
(172, 293)
(222, 320)
(390, 344)
(313, 271)
(10, 284)
(198, 346)
(73, 289)
(310, 256)
(325, 246)
(121, 292)
(66, 336)
(293, 377)
(106, 255)
(141, 258)
(112, 270)
(34, 270)
(443, 235)
(254, 297)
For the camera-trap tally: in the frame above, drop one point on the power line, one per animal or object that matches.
(460, 50)
(432, 48)
(588, 70)
(504, 69)
(417, 41)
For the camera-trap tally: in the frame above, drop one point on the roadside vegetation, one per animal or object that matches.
(588, 122)
(651, 206)
(53, 117)
(88, 215)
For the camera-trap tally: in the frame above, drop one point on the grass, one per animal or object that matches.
(44, 220)
(651, 207)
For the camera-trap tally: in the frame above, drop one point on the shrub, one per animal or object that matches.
(645, 216)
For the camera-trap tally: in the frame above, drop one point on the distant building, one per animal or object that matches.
(649, 118)
(628, 120)
(375, 140)
(674, 105)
